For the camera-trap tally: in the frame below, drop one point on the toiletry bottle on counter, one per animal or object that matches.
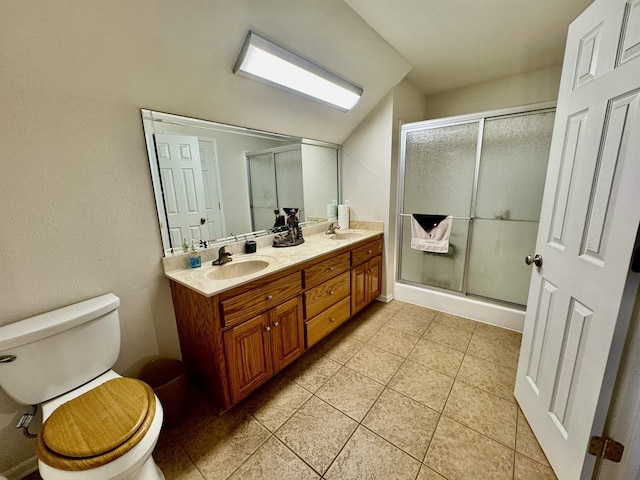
(195, 260)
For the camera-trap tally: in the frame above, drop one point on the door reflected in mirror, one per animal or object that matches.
(212, 181)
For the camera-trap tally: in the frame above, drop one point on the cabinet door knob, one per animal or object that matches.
(330, 292)
(275, 324)
(269, 297)
(268, 329)
(331, 269)
(332, 319)
(369, 252)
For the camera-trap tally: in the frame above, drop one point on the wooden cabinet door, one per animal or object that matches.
(358, 288)
(248, 351)
(374, 278)
(287, 333)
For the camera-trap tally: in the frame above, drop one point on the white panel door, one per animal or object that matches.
(183, 192)
(215, 227)
(588, 223)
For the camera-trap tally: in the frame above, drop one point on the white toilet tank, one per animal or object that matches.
(57, 351)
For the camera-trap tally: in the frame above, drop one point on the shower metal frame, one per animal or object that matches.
(480, 119)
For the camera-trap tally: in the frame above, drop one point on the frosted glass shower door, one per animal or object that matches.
(513, 166)
(439, 169)
(289, 180)
(262, 178)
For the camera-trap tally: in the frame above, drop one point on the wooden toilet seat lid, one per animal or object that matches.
(99, 420)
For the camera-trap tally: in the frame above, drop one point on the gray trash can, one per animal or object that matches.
(168, 379)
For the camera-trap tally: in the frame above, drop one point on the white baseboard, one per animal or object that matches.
(21, 470)
(493, 314)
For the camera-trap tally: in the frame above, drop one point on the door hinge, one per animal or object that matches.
(606, 448)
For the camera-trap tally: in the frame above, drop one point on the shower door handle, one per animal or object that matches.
(536, 260)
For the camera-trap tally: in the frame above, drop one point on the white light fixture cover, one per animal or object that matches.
(267, 62)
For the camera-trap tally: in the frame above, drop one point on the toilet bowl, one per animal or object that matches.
(96, 424)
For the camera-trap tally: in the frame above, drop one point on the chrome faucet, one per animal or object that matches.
(223, 257)
(333, 226)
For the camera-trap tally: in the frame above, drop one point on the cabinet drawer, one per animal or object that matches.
(366, 252)
(247, 305)
(321, 325)
(320, 272)
(323, 296)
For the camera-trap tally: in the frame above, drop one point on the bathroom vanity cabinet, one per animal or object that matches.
(234, 341)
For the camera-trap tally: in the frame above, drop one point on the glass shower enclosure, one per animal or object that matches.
(275, 181)
(487, 171)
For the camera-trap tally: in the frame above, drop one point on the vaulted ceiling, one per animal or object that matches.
(457, 43)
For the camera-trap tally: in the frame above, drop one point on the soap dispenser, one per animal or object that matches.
(195, 260)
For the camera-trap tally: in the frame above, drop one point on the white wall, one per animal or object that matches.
(369, 166)
(366, 171)
(527, 88)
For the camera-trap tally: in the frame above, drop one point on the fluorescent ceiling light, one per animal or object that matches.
(267, 62)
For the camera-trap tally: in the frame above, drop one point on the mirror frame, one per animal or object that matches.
(151, 116)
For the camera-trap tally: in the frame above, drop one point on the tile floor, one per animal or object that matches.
(399, 392)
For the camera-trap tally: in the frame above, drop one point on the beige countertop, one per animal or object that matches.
(315, 245)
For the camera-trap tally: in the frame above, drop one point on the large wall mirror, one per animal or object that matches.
(213, 181)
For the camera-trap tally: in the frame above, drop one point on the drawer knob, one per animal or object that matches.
(275, 324)
(332, 319)
(369, 252)
(269, 297)
(330, 292)
(331, 269)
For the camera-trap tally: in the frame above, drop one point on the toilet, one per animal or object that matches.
(96, 424)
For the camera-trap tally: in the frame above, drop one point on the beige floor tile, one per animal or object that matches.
(312, 370)
(402, 421)
(495, 349)
(364, 327)
(367, 456)
(375, 363)
(423, 385)
(410, 323)
(166, 442)
(526, 442)
(394, 341)
(350, 392)
(527, 469)
(224, 443)
(455, 321)
(275, 402)
(460, 453)
(199, 414)
(418, 310)
(427, 474)
(488, 376)
(448, 336)
(393, 304)
(378, 312)
(437, 357)
(273, 461)
(490, 415)
(504, 334)
(176, 465)
(340, 348)
(316, 433)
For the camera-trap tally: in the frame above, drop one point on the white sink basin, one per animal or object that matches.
(345, 235)
(239, 268)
